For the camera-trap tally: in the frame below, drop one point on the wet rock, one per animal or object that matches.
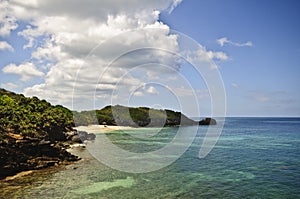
(91, 136)
(83, 135)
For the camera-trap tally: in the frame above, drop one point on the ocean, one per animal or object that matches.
(253, 158)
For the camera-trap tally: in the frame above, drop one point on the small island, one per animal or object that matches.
(35, 134)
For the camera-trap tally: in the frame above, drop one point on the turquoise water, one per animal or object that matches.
(254, 158)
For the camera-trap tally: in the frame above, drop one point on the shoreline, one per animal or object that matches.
(96, 129)
(72, 149)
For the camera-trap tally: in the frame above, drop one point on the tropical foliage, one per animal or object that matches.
(129, 116)
(32, 117)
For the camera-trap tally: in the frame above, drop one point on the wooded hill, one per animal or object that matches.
(130, 116)
(32, 117)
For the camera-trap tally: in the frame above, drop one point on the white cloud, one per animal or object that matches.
(7, 21)
(224, 40)
(6, 46)
(217, 55)
(26, 70)
(71, 29)
(203, 56)
(10, 86)
(152, 90)
(138, 94)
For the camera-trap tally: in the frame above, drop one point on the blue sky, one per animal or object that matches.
(268, 71)
(259, 59)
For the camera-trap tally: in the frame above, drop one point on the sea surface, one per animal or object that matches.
(253, 158)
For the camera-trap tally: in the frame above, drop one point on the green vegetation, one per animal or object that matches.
(129, 116)
(32, 117)
(33, 132)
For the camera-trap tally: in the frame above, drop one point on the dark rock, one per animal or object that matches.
(28, 154)
(76, 138)
(44, 142)
(91, 136)
(83, 135)
(80, 136)
(208, 121)
(70, 134)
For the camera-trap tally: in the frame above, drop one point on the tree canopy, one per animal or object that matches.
(32, 117)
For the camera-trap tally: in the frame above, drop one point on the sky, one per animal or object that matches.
(201, 57)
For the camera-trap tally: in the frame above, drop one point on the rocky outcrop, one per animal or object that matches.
(208, 121)
(79, 136)
(34, 134)
(18, 153)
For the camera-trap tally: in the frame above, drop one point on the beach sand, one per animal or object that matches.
(101, 128)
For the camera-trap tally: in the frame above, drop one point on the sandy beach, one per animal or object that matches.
(101, 128)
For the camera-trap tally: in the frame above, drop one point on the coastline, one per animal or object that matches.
(96, 129)
(72, 149)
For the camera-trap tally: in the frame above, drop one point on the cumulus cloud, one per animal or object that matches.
(224, 40)
(95, 46)
(71, 29)
(26, 70)
(7, 21)
(6, 46)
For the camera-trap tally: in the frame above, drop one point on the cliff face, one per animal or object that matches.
(31, 133)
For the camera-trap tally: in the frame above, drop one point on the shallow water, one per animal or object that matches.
(254, 158)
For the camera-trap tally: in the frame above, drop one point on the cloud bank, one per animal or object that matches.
(63, 34)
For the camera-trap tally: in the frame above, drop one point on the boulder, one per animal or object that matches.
(91, 136)
(83, 135)
(76, 138)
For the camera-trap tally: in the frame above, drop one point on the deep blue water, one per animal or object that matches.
(253, 158)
